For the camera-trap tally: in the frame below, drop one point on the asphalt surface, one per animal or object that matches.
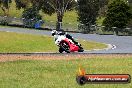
(120, 44)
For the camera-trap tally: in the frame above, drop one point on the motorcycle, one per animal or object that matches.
(67, 45)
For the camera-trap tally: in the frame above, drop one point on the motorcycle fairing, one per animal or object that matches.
(73, 47)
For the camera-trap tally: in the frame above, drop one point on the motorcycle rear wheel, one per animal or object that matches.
(80, 49)
(61, 50)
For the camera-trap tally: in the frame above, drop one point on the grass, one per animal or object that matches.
(61, 73)
(90, 45)
(14, 42)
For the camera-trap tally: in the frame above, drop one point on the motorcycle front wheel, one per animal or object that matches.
(61, 50)
(64, 45)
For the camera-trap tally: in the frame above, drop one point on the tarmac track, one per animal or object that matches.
(119, 44)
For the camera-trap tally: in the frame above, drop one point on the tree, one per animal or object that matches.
(5, 6)
(87, 13)
(54, 6)
(118, 15)
(22, 4)
(102, 3)
(58, 6)
(50, 7)
(31, 17)
(102, 7)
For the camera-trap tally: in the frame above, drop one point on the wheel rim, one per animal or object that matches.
(65, 46)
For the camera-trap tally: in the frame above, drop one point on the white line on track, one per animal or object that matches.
(114, 47)
(108, 48)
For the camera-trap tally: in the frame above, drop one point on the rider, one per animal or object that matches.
(57, 34)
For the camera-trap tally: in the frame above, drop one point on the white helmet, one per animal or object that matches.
(54, 32)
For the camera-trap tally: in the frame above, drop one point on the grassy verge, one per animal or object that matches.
(14, 42)
(90, 45)
(62, 73)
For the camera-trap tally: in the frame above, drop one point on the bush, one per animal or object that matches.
(30, 17)
(118, 15)
(83, 28)
(3, 22)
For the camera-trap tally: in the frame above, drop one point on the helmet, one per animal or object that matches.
(61, 32)
(54, 32)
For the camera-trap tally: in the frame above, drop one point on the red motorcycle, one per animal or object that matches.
(67, 45)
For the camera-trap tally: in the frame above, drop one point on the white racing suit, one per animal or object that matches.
(59, 37)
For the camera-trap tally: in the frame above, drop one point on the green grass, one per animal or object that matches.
(14, 42)
(90, 45)
(61, 73)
